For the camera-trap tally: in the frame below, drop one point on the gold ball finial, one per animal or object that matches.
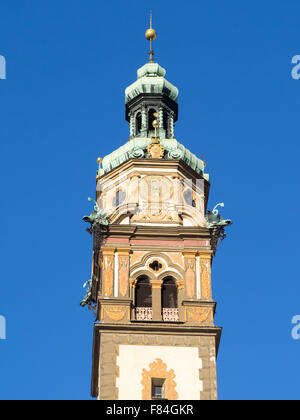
(100, 160)
(151, 34)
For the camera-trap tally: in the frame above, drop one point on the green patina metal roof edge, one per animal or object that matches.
(137, 149)
(151, 79)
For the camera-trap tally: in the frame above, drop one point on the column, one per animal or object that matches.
(205, 271)
(156, 300)
(171, 125)
(180, 297)
(161, 131)
(132, 125)
(132, 286)
(144, 122)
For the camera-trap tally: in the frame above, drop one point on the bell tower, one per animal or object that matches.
(153, 246)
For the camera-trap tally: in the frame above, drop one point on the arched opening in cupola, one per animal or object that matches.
(138, 124)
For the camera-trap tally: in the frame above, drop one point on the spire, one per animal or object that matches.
(151, 36)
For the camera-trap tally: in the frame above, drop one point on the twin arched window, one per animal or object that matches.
(143, 293)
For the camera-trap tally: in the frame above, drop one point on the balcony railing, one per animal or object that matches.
(143, 314)
(170, 315)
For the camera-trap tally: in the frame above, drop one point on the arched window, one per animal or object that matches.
(151, 118)
(169, 297)
(143, 299)
(138, 124)
(169, 300)
(143, 293)
(166, 123)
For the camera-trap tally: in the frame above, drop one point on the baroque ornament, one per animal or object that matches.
(158, 370)
(155, 150)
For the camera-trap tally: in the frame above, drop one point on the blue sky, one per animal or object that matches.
(62, 105)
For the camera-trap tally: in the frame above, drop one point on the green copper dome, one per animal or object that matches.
(137, 149)
(151, 79)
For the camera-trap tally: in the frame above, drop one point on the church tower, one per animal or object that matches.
(154, 242)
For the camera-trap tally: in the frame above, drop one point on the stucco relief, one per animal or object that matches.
(199, 315)
(136, 257)
(169, 267)
(108, 265)
(124, 274)
(115, 313)
(156, 198)
(158, 370)
(205, 270)
(190, 267)
(177, 258)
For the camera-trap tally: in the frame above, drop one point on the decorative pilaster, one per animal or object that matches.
(190, 273)
(123, 257)
(156, 299)
(108, 258)
(205, 270)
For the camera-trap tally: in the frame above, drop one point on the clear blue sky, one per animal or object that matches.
(62, 105)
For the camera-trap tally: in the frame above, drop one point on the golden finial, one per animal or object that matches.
(155, 126)
(151, 36)
(204, 163)
(100, 160)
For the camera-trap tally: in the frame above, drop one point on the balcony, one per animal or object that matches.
(170, 315)
(143, 314)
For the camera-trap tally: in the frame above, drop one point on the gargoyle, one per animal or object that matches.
(216, 224)
(88, 298)
(97, 217)
(215, 219)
